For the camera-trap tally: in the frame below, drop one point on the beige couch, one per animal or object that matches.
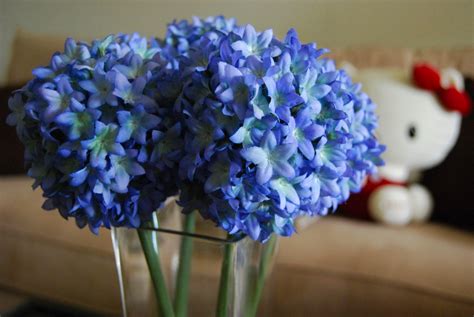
(334, 267)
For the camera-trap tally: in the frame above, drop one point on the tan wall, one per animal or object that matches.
(416, 23)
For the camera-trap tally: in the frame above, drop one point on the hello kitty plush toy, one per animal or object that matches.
(419, 122)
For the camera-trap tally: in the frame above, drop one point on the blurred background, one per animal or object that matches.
(332, 24)
(336, 266)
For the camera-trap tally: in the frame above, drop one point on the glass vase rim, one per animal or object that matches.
(229, 240)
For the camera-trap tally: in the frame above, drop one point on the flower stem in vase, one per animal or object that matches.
(182, 280)
(226, 280)
(264, 266)
(149, 242)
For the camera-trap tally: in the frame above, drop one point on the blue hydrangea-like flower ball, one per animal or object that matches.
(271, 131)
(251, 131)
(89, 122)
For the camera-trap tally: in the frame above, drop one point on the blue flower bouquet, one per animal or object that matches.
(249, 131)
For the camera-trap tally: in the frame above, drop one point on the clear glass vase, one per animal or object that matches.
(248, 265)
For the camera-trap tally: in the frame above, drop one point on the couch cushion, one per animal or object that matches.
(362, 259)
(31, 50)
(45, 256)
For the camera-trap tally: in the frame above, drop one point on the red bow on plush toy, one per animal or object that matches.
(427, 77)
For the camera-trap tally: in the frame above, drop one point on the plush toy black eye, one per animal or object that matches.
(411, 131)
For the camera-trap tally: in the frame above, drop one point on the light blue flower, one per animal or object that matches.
(252, 130)
(260, 104)
(270, 157)
(285, 191)
(235, 89)
(136, 68)
(105, 142)
(80, 123)
(132, 93)
(135, 124)
(60, 100)
(283, 96)
(260, 68)
(304, 131)
(124, 168)
(311, 91)
(74, 51)
(100, 88)
(253, 43)
(139, 45)
(99, 47)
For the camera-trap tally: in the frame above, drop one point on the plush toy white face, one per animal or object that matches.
(418, 131)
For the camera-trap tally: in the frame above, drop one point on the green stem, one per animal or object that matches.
(182, 280)
(149, 241)
(264, 266)
(226, 280)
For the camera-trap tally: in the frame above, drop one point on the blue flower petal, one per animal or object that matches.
(264, 173)
(254, 154)
(79, 177)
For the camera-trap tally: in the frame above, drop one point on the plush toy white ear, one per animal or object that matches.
(350, 69)
(452, 77)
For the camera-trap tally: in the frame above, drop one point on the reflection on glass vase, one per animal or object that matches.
(198, 271)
